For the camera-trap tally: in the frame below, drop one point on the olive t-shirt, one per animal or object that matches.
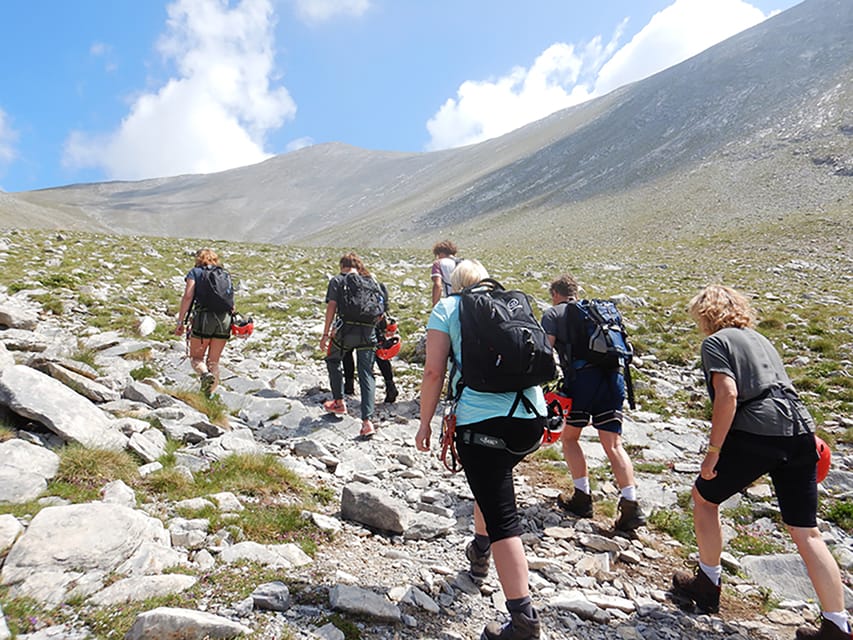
(768, 405)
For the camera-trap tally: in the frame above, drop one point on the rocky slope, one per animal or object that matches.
(387, 562)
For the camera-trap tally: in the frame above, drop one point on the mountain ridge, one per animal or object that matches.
(760, 125)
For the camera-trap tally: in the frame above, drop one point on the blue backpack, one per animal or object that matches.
(608, 345)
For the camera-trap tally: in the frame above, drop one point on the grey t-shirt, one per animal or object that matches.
(767, 402)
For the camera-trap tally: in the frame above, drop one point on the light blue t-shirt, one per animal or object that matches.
(476, 406)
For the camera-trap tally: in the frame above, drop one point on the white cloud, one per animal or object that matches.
(565, 75)
(680, 31)
(214, 115)
(8, 138)
(321, 10)
(299, 143)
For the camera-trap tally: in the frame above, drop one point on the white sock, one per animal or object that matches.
(630, 493)
(582, 484)
(715, 574)
(838, 618)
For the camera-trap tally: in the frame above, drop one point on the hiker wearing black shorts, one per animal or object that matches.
(209, 330)
(488, 470)
(340, 336)
(758, 426)
(597, 396)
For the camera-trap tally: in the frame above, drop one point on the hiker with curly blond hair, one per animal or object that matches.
(759, 426)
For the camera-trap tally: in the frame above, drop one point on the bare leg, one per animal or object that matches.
(821, 567)
(510, 561)
(709, 533)
(213, 355)
(512, 567)
(198, 347)
(573, 453)
(619, 460)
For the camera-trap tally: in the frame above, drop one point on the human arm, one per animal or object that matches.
(331, 310)
(436, 289)
(722, 415)
(437, 351)
(186, 303)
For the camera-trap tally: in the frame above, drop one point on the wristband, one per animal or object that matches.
(713, 449)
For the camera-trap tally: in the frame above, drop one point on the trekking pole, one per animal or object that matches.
(629, 386)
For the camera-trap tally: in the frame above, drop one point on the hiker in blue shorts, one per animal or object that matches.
(597, 394)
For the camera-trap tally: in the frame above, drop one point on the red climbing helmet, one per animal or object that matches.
(559, 406)
(241, 327)
(823, 460)
(388, 348)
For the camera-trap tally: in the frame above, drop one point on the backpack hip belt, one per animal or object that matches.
(485, 440)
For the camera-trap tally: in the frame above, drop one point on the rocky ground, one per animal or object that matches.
(387, 555)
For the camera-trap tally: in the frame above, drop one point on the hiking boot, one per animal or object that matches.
(688, 589)
(207, 380)
(519, 627)
(479, 562)
(828, 631)
(390, 392)
(349, 388)
(631, 516)
(580, 504)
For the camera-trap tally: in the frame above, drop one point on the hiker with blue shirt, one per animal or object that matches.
(488, 470)
(597, 393)
(209, 325)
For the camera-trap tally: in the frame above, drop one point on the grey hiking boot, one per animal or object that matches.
(631, 516)
(689, 588)
(580, 504)
(519, 627)
(479, 570)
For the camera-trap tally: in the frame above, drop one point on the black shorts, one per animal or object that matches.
(489, 471)
(790, 461)
(211, 324)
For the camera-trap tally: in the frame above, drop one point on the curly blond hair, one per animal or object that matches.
(718, 307)
(206, 256)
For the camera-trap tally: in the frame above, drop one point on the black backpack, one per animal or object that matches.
(504, 348)
(213, 289)
(362, 301)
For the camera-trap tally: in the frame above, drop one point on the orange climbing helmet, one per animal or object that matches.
(824, 458)
(559, 406)
(388, 348)
(241, 327)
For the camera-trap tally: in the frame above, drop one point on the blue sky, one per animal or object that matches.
(96, 90)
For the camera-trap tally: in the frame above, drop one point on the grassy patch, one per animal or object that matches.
(676, 524)
(651, 467)
(841, 513)
(754, 544)
(214, 408)
(143, 372)
(83, 472)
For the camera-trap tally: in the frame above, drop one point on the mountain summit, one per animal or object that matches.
(757, 127)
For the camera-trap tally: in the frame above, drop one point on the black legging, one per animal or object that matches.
(489, 470)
